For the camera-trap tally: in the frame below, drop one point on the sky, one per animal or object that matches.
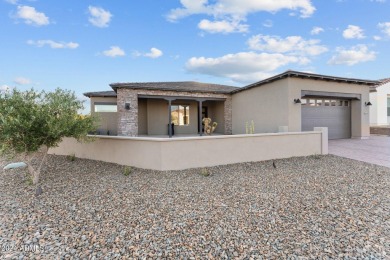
(86, 45)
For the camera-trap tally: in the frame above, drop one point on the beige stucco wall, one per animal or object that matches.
(265, 105)
(272, 105)
(113, 149)
(194, 152)
(142, 117)
(157, 117)
(107, 120)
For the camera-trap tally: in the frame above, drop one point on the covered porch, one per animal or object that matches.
(183, 113)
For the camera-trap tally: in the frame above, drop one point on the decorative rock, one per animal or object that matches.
(305, 208)
(38, 191)
(15, 165)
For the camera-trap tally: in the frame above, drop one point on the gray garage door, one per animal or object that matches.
(334, 114)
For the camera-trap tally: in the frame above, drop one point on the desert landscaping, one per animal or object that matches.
(306, 207)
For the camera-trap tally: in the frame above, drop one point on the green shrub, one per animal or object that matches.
(316, 156)
(31, 122)
(127, 170)
(71, 157)
(205, 172)
(250, 128)
(29, 180)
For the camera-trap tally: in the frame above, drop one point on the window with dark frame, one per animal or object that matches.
(334, 102)
(105, 107)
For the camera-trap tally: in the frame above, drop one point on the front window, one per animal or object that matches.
(180, 114)
(102, 107)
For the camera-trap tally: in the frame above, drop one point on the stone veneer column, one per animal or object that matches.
(127, 119)
(228, 115)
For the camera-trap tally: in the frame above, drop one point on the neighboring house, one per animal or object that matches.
(380, 100)
(295, 100)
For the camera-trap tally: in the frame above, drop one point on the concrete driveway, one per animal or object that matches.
(375, 150)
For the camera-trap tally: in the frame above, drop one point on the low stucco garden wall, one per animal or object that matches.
(194, 152)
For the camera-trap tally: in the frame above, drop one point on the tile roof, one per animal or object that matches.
(305, 75)
(383, 81)
(184, 86)
(101, 94)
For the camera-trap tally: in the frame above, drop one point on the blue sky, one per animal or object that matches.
(86, 45)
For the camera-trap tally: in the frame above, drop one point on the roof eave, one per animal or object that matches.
(116, 87)
(89, 95)
(298, 74)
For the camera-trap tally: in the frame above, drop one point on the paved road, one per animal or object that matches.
(375, 150)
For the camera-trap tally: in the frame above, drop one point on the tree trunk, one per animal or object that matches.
(35, 174)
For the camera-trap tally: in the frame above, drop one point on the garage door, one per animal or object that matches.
(334, 114)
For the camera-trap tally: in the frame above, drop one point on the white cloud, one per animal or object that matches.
(353, 32)
(242, 67)
(239, 8)
(99, 17)
(378, 1)
(377, 38)
(236, 11)
(223, 26)
(114, 51)
(31, 16)
(154, 53)
(22, 81)
(291, 44)
(316, 30)
(356, 54)
(14, 2)
(54, 44)
(385, 28)
(5, 88)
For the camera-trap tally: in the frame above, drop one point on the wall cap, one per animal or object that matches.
(166, 139)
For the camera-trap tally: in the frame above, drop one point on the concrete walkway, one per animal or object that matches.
(375, 150)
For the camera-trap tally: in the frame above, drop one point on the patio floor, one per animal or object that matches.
(375, 150)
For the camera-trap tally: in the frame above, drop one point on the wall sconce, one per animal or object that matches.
(127, 106)
(297, 101)
(368, 103)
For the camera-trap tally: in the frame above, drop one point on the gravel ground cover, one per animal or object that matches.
(308, 207)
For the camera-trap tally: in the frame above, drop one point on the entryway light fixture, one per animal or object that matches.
(127, 106)
(368, 103)
(297, 101)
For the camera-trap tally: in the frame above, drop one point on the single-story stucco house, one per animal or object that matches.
(295, 101)
(380, 100)
(292, 114)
